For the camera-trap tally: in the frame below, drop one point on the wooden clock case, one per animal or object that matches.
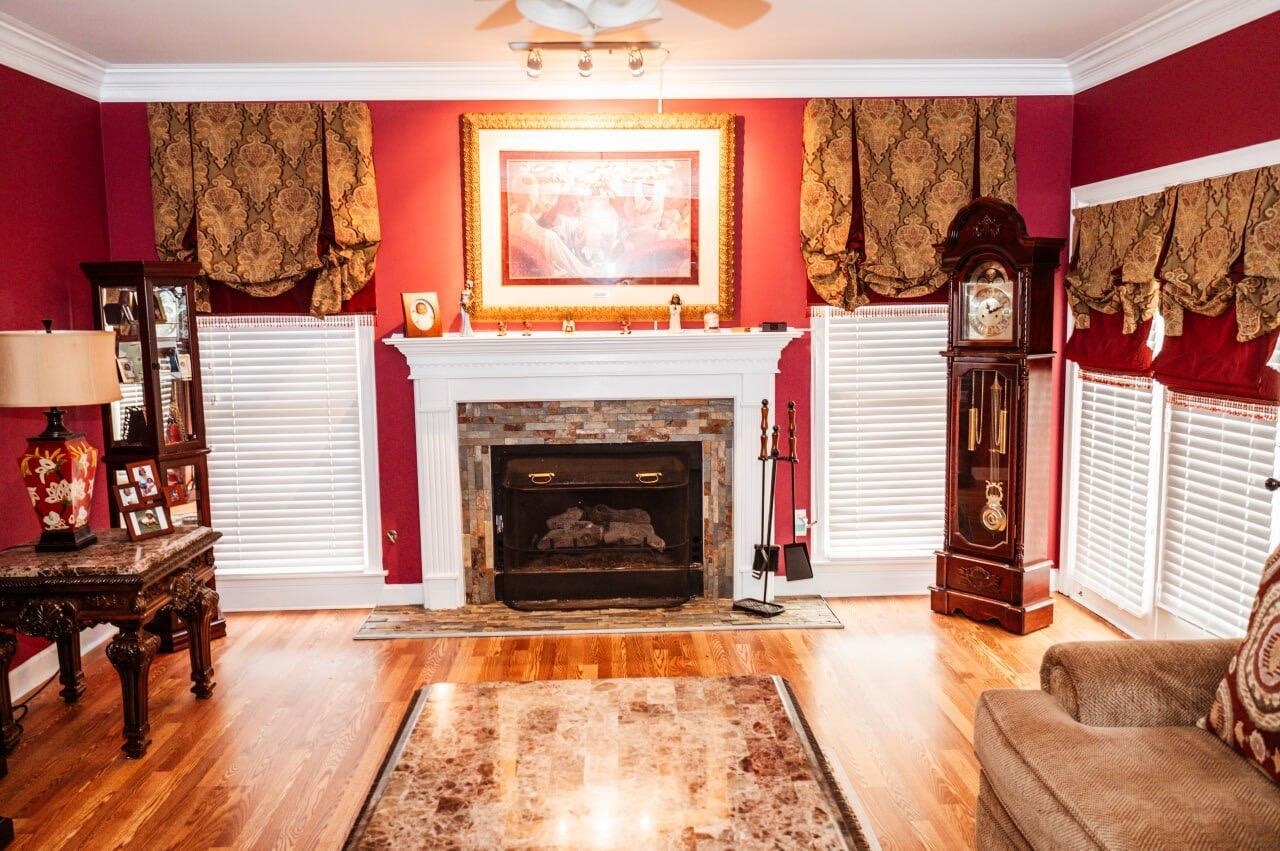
(999, 428)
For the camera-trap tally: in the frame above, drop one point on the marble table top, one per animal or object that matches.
(656, 763)
(113, 556)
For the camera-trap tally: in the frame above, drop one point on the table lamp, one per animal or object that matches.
(50, 369)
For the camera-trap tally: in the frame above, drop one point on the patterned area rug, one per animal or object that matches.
(683, 762)
(498, 619)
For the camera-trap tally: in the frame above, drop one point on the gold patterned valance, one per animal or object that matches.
(1208, 236)
(265, 194)
(1117, 248)
(1258, 293)
(915, 168)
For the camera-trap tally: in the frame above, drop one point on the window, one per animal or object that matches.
(880, 432)
(1169, 519)
(292, 470)
(1114, 520)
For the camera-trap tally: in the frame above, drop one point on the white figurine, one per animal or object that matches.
(710, 321)
(673, 324)
(467, 330)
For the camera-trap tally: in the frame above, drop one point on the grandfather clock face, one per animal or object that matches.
(986, 303)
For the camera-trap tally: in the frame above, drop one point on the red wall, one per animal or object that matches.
(1218, 95)
(51, 198)
(417, 155)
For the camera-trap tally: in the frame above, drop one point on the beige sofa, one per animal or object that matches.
(1107, 755)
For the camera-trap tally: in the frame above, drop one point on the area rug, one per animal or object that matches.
(655, 763)
(497, 619)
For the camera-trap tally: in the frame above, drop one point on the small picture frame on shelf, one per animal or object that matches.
(128, 375)
(148, 521)
(127, 498)
(175, 494)
(146, 475)
(422, 315)
(184, 367)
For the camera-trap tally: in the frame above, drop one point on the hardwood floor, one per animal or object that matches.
(284, 753)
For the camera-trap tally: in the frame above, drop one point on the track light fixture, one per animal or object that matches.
(634, 50)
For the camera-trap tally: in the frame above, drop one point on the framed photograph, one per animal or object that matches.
(148, 522)
(128, 375)
(146, 475)
(127, 497)
(174, 494)
(422, 315)
(598, 217)
(184, 367)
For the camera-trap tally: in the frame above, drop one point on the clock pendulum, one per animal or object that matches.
(993, 514)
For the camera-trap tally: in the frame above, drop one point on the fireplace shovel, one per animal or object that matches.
(795, 555)
(766, 552)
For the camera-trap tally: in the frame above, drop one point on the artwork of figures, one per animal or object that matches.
(570, 218)
(598, 217)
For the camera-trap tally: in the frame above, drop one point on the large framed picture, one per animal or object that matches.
(598, 217)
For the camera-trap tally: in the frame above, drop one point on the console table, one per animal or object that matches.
(116, 581)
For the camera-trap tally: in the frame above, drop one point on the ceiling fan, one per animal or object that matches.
(592, 17)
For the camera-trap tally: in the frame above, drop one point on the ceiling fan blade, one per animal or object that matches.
(503, 16)
(734, 14)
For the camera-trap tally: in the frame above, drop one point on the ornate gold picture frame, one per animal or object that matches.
(598, 217)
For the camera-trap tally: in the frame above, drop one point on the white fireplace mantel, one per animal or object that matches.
(587, 365)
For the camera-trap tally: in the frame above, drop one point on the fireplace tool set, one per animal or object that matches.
(796, 554)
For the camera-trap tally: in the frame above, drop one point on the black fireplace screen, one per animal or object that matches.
(598, 522)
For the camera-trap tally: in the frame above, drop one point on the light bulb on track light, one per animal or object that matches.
(635, 61)
(533, 65)
(585, 65)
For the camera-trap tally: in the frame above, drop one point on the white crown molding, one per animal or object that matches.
(507, 81)
(1169, 29)
(44, 57)
(1155, 179)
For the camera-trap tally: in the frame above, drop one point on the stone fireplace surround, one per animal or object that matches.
(453, 374)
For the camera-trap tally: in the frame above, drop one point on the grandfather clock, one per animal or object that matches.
(995, 560)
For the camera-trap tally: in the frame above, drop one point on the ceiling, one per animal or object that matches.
(154, 50)
(317, 31)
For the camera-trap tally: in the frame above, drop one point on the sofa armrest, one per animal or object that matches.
(1136, 683)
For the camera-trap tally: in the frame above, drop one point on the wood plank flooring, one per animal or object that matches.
(284, 753)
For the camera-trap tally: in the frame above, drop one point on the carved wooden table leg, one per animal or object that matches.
(69, 672)
(9, 731)
(131, 652)
(196, 604)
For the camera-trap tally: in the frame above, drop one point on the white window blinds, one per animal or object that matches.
(886, 399)
(1218, 515)
(1114, 516)
(288, 407)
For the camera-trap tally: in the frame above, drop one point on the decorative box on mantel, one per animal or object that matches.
(587, 366)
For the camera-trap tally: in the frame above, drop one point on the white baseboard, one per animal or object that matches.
(861, 583)
(401, 595)
(291, 592)
(31, 674)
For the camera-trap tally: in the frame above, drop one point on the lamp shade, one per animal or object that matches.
(64, 368)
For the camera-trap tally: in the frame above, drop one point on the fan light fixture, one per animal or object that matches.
(533, 65)
(635, 61)
(585, 65)
(589, 17)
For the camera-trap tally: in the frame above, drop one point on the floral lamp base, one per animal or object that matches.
(59, 474)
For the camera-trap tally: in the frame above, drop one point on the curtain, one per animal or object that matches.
(1208, 237)
(262, 195)
(1258, 292)
(913, 163)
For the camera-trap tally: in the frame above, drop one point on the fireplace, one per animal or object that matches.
(597, 522)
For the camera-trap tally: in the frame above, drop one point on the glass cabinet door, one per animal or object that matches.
(176, 370)
(987, 409)
(128, 425)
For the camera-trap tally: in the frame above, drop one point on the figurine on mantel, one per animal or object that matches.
(465, 302)
(502, 328)
(626, 326)
(673, 323)
(710, 321)
(568, 326)
(528, 329)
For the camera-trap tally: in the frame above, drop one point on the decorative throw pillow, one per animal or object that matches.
(1246, 709)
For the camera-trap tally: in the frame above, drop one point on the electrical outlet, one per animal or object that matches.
(801, 523)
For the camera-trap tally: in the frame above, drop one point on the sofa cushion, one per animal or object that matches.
(1246, 708)
(1068, 785)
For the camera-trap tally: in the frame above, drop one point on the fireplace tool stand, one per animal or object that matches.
(766, 552)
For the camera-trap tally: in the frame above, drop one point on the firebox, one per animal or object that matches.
(597, 524)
